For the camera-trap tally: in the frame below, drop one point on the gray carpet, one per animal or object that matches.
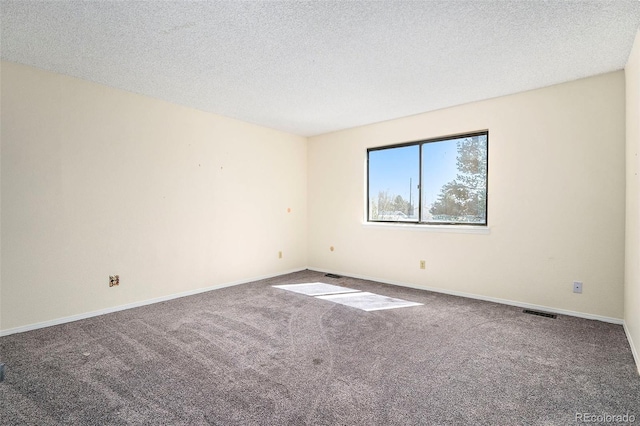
(253, 354)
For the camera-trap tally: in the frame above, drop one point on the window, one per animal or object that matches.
(438, 181)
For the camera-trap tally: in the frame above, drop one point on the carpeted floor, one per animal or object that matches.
(253, 354)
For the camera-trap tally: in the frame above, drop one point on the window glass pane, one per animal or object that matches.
(454, 180)
(393, 184)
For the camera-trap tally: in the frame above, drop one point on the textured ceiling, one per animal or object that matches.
(315, 67)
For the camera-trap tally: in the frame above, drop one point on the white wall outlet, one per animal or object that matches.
(422, 264)
(279, 255)
(577, 287)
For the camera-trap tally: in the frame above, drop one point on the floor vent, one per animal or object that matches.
(540, 314)
(332, 276)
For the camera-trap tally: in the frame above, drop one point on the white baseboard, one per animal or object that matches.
(78, 317)
(634, 351)
(85, 315)
(480, 297)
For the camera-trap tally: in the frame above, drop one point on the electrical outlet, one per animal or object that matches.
(279, 255)
(423, 264)
(577, 287)
(114, 280)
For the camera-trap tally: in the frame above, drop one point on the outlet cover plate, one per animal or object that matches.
(577, 287)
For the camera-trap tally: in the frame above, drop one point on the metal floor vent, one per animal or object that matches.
(540, 314)
(332, 276)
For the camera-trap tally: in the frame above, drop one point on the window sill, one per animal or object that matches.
(454, 229)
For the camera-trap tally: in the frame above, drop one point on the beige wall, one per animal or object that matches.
(97, 181)
(632, 254)
(556, 201)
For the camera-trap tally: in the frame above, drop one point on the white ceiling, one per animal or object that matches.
(310, 67)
